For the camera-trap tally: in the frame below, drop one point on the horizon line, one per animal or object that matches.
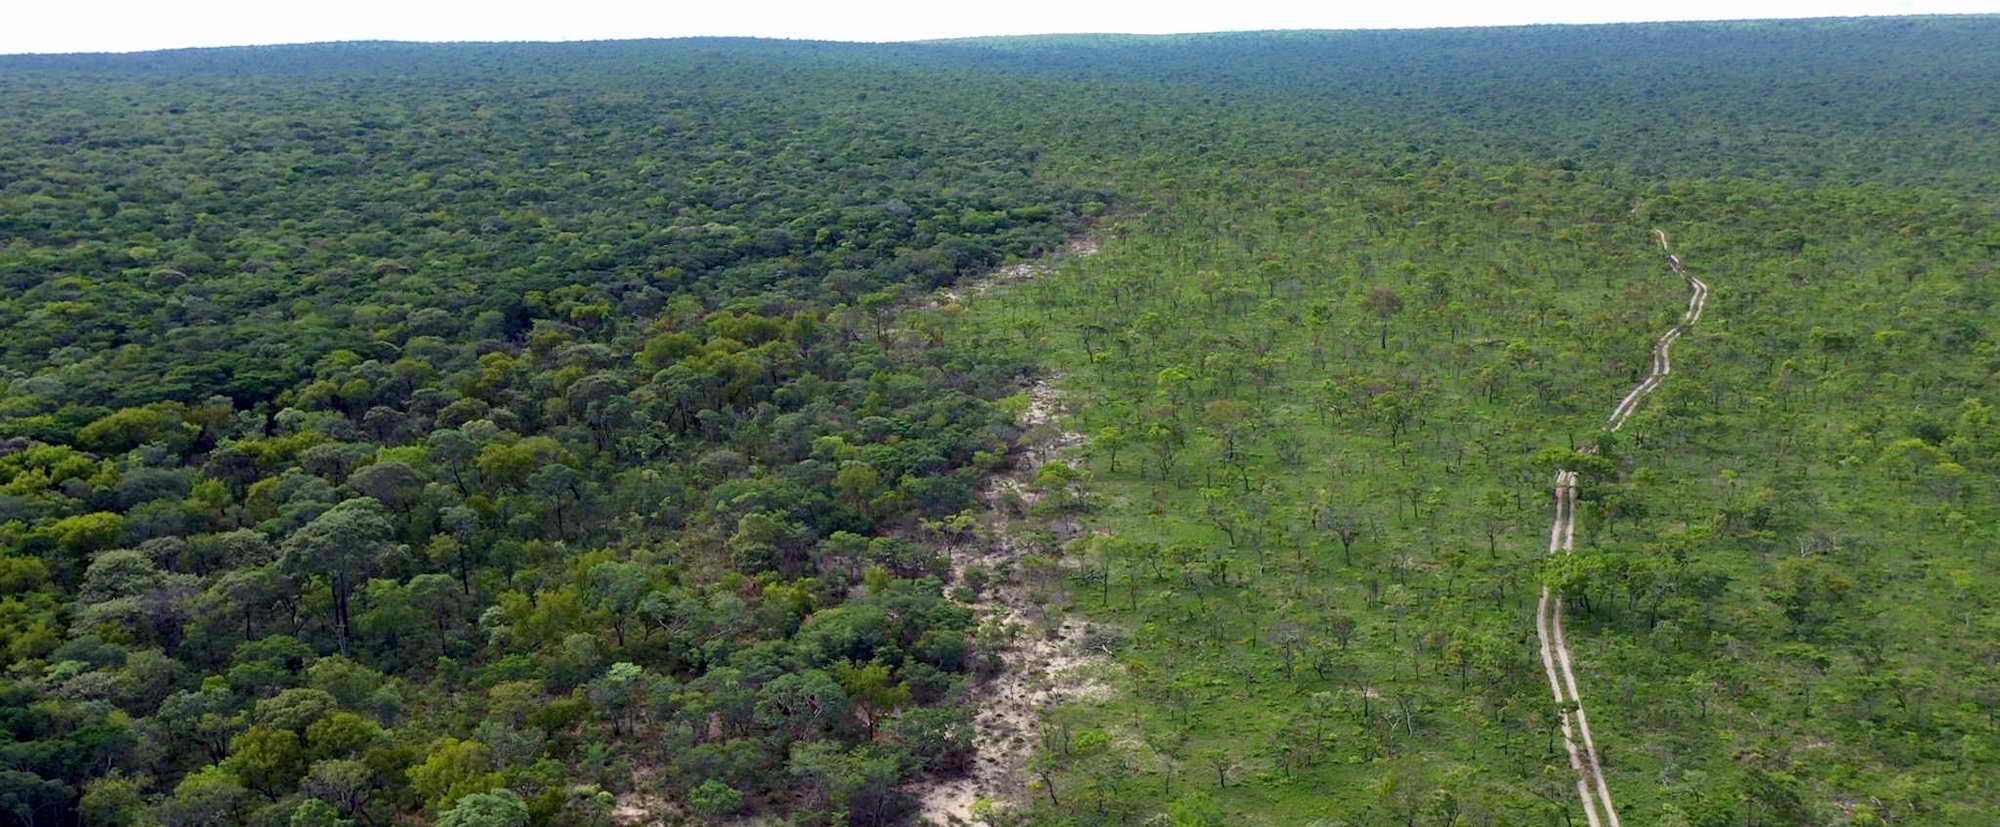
(992, 37)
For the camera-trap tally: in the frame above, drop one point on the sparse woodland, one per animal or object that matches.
(570, 434)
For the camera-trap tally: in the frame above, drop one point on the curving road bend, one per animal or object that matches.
(1591, 788)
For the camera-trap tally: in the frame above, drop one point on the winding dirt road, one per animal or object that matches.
(1591, 788)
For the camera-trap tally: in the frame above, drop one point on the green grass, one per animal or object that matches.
(1750, 479)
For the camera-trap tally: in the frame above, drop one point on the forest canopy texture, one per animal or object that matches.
(540, 434)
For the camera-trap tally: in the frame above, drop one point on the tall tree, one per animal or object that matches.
(342, 546)
(1384, 303)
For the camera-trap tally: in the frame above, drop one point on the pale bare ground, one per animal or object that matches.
(1024, 271)
(1047, 661)
(1565, 518)
(639, 808)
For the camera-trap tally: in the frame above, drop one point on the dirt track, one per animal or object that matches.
(1591, 788)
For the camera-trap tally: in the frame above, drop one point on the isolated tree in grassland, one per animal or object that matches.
(1383, 303)
(1341, 522)
(1175, 385)
(1221, 760)
(1342, 627)
(1111, 439)
(1230, 419)
(1165, 439)
(1320, 318)
(1335, 398)
(1495, 516)
(1398, 410)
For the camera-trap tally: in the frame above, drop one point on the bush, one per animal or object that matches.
(714, 799)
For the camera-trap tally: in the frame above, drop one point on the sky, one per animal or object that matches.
(137, 25)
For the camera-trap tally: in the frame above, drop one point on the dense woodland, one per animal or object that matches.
(542, 434)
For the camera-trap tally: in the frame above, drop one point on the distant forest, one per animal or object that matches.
(539, 434)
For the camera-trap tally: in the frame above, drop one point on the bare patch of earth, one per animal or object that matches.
(643, 809)
(1014, 273)
(1049, 660)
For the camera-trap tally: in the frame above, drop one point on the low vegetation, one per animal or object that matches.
(561, 434)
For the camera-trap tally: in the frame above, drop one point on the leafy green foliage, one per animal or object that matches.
(468, 433)
(1326, 589)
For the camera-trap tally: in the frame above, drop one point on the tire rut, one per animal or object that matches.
(1591, 788)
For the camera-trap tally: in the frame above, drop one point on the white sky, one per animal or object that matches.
(133, 25)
